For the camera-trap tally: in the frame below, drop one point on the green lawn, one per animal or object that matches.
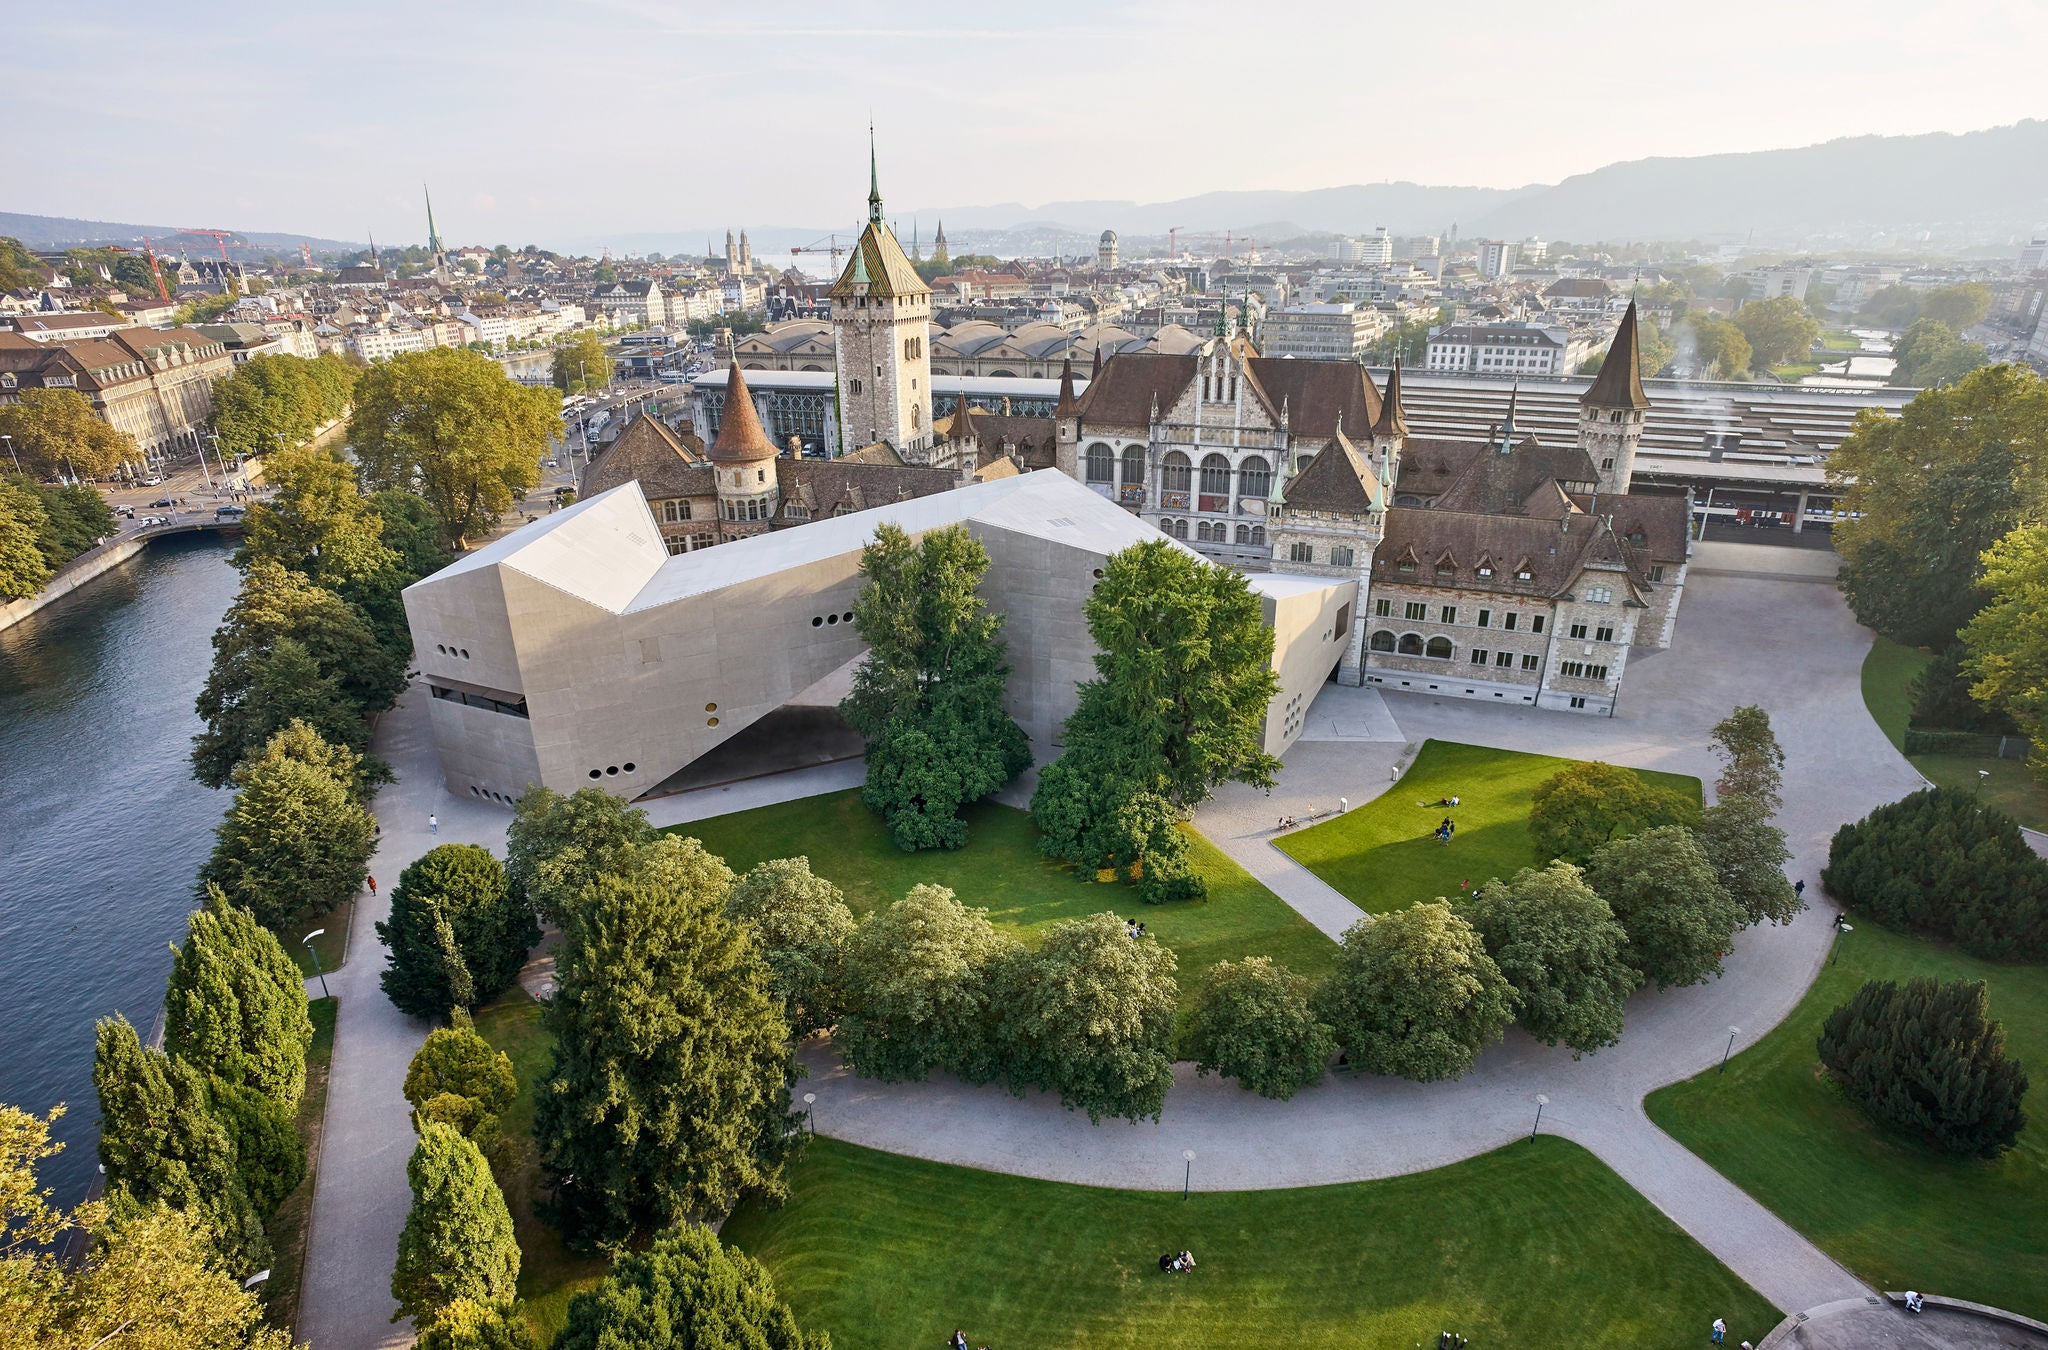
(1839, 340)
(1536, 1244)
(290, 1226)
(1002, 871)
(1897, 1213)
(549, 1273)
(1887, 673)
(332, 944)
(1384, 855)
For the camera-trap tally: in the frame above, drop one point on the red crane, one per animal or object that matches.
(1173, 243)
(220, 239)
(162, 292)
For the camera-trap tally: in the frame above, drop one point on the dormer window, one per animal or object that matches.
(1524, 574)
(1406, 567)
(1485, 571)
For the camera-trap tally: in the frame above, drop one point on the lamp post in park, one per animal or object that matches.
(308, 940)
(1541, 1102)
(1188, 1177)
(810, 1103)
(1840, 928)
(1733, 1032)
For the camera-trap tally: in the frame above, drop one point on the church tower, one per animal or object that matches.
(939, 254)
(881, 311)
(743, 463)
(1611, 412)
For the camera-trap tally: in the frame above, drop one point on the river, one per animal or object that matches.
(101, 827)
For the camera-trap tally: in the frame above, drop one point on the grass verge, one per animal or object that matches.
(1535, 1244)
(1024, 891)
(1899, 1214)
(1384, 855)
(549, 1273)
(291, 1226)
(332, 944)
(2004, 783)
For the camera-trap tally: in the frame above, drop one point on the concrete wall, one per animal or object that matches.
(94, 563)
(1311, 631)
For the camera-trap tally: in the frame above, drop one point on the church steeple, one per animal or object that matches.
(1393, 420)
(1613, 409)
(1507, 428)
(874, 181)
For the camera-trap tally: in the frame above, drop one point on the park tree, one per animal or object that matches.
(317, 523)
(2005, 647)
(454, 428)
(289, 648)
(1752, 761)
(270, 1154)
(1586, 804)
(410, 532)
(919, 990)
(1941, 691)
(458, 1080)
(457, 1242)
(294, 843)
(1748, 854)
(461, 887)
(686, 1291)
(1928, 1059)
(559, 844)
(56, 433)
(582, 364)
(23, 568)
(297, 741)
(667, 1090)
(1931, 354)
(235, 1006)
(929, 695)
(1780, 330)
(1254, 1021)
(1927, 492)
(1719, 350)
(1560, 948)
(803, 926)
(266, 404)
(161, 1143)
(1894, 306)
(67, 518)
(1414, 994)
(466, 1324)
(1663, 889)
(1959, 307)
(1091, 1016)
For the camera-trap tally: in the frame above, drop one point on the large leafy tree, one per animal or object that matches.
(267, 403)
(1927, 492)
(667, 1091)
(1959, 307)
(1752, 762)
(23, 568)
(687, 1291)
(317, 523)
(463, 887)
(803, 924)
(457, 1242)
(1663, 889)
(454, 428)
(2006, 645)
(361, 774)
(468, 1325)
(1931, 354)
(1748, 854)
(57, 432)
(236, 1004)
(1559, 946)
(581, 364)
(1718, 348)
(1414, 994)
(1780, 330)
(1091, 1015)
(61, 520)
(1254, 1021)
(1584, 805)
(294, 843)
(559, 844)
(919, 990)
(1928, 1059)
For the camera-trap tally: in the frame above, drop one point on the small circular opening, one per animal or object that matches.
(711, 707)
(1098, 574)
(613, 771)
(832, 618)
(441, 649)
(817, 621)
(849, 616)
(628, 766)
(711, 721)
(472, 789)
(597, 773)
(465, 653)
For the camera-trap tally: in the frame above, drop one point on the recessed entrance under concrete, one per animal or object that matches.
(805, 732)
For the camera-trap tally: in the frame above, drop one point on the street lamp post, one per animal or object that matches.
(810, 1120)
(10, 452)
(1541, 1102)
(308, 940)
(1733, 1032)
(1188, 1177)
(1840, 928)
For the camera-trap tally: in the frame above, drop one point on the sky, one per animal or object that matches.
(559, 121)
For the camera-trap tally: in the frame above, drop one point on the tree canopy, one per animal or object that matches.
(1780, 330)
(235, 1005)
(1584, 805)
(1254, 1021)
(559, 844)
(687, 1291)
(1663, 889)
(2006, 645)
(23, 568)
(803, 926)
(275, 400)
(1928, 1059)
(1560, 947)
(457, 1242)
(1414, 994)
(920, 990)
(1931, 354)
(582, 364)
(1752, 761)
(1091, 1016)
(294, 842)
(57, 433)
(463, 887)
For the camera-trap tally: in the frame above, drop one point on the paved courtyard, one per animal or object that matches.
(1777, 639)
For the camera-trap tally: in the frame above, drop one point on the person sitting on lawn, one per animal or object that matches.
(1184, 1262)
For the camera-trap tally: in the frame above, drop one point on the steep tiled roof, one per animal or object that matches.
(1656, 524)
(880, 262)
(1337, 479)
(649, 453)
(1124, 393)
(823, 485)
(741, 439)
(1493, 482)
(1620, 381)
(1316, 392)
(1393, 419)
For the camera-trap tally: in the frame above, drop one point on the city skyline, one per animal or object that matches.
(660, 109)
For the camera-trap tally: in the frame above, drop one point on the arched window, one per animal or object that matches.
(1180, 529)
(1099, 463)
(916, 417)
(1215, 476)
(1411, 644)
(1244, 534)
(1383, 641)
(1259, 536)
(1134, 466)
(1301, 553)
(1177, 472)
(1254, 477)
(1439, 648)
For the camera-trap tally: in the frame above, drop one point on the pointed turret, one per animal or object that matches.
(874, 181)
(741, 439)
(1393, 420)
(1095, 371)
(1068, 406)
(1507, 428)
(1620, 381)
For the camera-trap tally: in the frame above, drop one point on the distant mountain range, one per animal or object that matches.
(65, 232)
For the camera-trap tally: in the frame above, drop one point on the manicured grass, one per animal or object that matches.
(549, 1273)
(332, 944)
(1001, 870)
(1836, 340)
(1887, 674)
(290, 1226)
(1899, 1214)
(1384, 855)
(1536, 1244)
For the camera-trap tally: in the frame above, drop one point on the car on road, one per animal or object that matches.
(154, 480)
(126, 511)
(141, 521)
(163, 502)
(229, 512)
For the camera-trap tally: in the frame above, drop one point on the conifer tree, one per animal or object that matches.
(456, 934)
(803, 924)
(294, 843)
(468, 1325)
(688, 1291)
(1928, 1059)
(235, 1006)
(458, 1241)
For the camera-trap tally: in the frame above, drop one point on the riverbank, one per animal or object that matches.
(90, 565)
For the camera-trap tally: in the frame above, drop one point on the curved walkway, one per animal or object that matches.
(1787, 645)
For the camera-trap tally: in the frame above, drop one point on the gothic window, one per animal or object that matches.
(1439, 649)
(1098, 463)
(1301, 553)
(1383, 641)
(856, 385)
(1259, 535)
(1215, 476)
(1340, 557)
(1411, 644)
(916, 417)
(1244, 534)
(1255, 478)
(1178, 472)
(1134, 466)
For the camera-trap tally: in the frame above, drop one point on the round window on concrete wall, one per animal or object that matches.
(597, 773)
(628, 767)
(831, 618)
(849, 616)
(711, 721)
(711, 707)
(817, 621)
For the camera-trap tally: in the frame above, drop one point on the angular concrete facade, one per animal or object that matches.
(578, 652)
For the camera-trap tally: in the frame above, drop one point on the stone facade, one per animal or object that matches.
(881, 314)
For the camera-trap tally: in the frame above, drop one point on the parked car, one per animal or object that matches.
(163, 502)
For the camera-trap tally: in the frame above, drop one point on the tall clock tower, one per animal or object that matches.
(881, 313)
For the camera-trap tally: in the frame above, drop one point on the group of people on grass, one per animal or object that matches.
(1446, 830)
(1134, 928)
(1177, 1263)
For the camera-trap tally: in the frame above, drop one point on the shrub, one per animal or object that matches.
(455, 890)
(1927, 1059)
(687, 1290)
(1253, 1021)
(1582, 806)
(1090, 1015)
(1941, 862)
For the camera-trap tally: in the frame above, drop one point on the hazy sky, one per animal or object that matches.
(562, 120)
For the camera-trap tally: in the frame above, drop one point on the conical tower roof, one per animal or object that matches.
(741, 439)
(1393, 420)
(1068, 406)
(1620, 381)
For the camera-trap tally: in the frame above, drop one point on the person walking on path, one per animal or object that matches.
(373, 886)
(433, 823)
(1720, 1331)
(1799, 888)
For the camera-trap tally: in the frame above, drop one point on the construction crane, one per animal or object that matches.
(1173, 243)
(829, 245)
(1227, 239)
(220, 239)
(162, 292)
(306, 253)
